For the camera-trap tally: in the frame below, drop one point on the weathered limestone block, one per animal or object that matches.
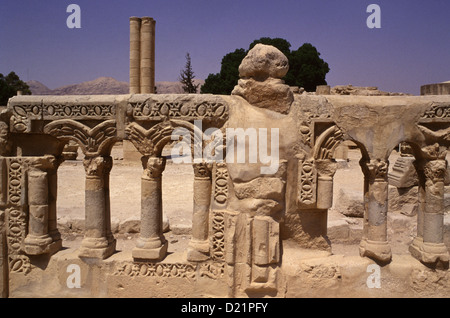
(260, 84)
(350, 203)
(264, 61)
(403, 174)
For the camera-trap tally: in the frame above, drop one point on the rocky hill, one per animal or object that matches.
(102, 86)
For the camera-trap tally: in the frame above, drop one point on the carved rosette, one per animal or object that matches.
(307, 183)
(221, 184)
(218, 236)
(184, 108)
(16, 220)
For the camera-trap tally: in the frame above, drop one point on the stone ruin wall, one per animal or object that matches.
(245, 223)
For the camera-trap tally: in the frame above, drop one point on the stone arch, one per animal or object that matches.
(151, 142)
(92, 141)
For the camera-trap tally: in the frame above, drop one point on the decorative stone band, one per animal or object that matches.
(27, 109)
(207, 108)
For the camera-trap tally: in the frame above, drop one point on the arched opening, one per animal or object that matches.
(177, 194)
(71, 200)
(346, 216)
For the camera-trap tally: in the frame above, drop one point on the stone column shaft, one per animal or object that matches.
(199, 245)
(325, 171)
(135, 55)
(38, 239)
(429, 245)
(147, 56)
(151, 244)
(374, 243)
(43, 235)
(98, 240)
(52, 204)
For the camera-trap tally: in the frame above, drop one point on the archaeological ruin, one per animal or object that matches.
(255, 232)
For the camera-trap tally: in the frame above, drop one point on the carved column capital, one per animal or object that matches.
(45, 163)
(153, 166)
(202, 170)
(97, 166)
(326, 168)
(434, 152)
(435, 170)
(375, 169)
(5, 141)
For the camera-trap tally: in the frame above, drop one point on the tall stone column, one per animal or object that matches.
(147, 56)
(135, 55)
(199, 245)
(151, 244)
(429, 245)
(374, 243)
(98, 240)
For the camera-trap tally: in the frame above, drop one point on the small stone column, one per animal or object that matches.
(38, 238)
(429, 245)
(147, 56)
(199, 245)
(374, 243)
(151, 244)
(43, 236)
(325, 172)
(98, 240)
(52, 203)
(135, 55)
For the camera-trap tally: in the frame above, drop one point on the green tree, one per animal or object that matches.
(187, 77)
(9, 85)
(223, 83)
(306, 68)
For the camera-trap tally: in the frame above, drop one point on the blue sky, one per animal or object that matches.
(412, 47)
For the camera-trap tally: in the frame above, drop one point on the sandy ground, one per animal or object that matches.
(178, 205)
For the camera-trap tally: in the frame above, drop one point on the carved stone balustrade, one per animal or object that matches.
(273, 182)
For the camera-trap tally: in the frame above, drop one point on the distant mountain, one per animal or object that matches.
(103, 86)
(37, 88)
